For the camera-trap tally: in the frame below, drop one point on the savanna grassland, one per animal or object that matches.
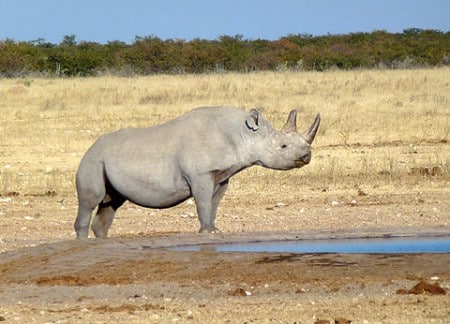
(382, 132)
(381, 160)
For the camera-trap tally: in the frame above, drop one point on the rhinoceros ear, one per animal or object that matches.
(291, 123)
(252, 119)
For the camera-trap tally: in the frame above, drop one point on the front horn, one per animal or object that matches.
(311, 132)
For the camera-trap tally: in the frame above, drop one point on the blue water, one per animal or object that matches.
(372, 245)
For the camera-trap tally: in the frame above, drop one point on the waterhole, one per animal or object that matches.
(354, 245)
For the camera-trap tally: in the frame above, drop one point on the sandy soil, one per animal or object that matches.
(47, 276)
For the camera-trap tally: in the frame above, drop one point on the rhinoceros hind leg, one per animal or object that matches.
(83, 219)
(91, 191)
(105, 213)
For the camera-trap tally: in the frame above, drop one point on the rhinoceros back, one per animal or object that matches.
(153, 166)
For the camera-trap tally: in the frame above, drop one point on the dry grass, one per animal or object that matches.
(380, 128)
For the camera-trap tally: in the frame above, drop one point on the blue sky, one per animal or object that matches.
(108, 20)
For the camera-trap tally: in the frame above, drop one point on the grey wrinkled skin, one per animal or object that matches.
(193, 155)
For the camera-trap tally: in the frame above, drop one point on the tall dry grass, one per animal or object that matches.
(379, 128)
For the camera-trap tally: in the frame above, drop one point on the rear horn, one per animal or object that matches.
(291, 123)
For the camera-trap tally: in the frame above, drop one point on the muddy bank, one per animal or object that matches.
(138, 279)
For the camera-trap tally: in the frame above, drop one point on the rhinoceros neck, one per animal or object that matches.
(246, 154)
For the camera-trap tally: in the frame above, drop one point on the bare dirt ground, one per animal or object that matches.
(47, 276)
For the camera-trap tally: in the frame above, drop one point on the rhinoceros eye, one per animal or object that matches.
(283, 146)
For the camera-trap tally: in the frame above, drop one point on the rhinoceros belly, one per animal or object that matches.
(156, 186)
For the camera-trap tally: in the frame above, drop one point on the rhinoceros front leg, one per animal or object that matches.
(217, 197)
(207, 196)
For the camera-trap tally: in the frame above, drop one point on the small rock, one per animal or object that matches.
(361, 193)
(426, 171)
(334, 203)
(301, 291)
(321, 321)
(424, 287)
(155, 317)
(436, 171)
(434, 278)
(412, 149)
(189, 202)
(187, 214)
(239, 292)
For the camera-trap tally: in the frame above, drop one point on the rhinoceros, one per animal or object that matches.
(193, 155)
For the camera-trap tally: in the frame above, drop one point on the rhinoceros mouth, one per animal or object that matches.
(300, 163)
(303, 160)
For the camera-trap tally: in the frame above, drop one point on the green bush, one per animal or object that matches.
(149, 55)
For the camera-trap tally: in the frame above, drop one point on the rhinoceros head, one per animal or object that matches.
(281, 150)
